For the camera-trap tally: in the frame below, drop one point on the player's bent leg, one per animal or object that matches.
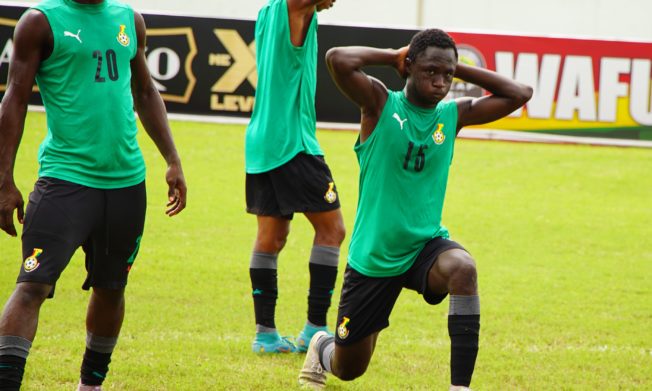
(455, 273)
(324, 258)
(104, 318)
(17, 330)
(345, 362)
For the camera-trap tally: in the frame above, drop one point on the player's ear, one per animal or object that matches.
(408, 66)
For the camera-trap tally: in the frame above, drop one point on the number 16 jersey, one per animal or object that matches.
(404, 167)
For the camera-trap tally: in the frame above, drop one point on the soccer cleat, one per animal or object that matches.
(304, 337)
(84, 387)
(312, 374)
(459, 388)
(272, 343)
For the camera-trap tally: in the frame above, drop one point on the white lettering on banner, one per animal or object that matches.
(610, 86)
(577, 92)
(639, 104)
(527, 71)
(7, 51)
(172, 65)
(577, 89)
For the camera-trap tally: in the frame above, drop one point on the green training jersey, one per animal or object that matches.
(404, 168)
(86, 89)
(283, 122)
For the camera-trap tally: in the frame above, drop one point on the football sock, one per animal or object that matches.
(326, 349)
(464, 330)
(97, 357)
(264, 285)
(323, 272)
(13, 355)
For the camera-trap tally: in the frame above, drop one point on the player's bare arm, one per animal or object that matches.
(370, 94)
(152, 113)
(32, 44)
(506, 96)
(300, 14)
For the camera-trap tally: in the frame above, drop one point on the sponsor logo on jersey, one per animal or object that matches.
(123, 38)
(76, 36)
(32, 263)
(400, 121)
(331, 195)
(342, 330)
(439, 135)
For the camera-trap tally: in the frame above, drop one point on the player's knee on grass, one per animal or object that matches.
(350, 372)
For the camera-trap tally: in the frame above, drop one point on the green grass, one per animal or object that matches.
(561, 235)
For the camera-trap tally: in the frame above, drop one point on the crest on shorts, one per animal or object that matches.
(123, 38)
(342, 330)
(32, 263)
(439, 136)
(331, 195)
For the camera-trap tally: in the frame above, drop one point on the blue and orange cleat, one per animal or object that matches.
(272, 343)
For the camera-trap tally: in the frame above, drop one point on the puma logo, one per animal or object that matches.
(400, 121)
(69, 34)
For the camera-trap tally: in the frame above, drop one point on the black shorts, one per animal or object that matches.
(61, 216)
(367, 302)
(304, 184)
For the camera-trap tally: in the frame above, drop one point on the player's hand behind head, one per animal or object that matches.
(324, 5)
(401, 65)
(10, 199)
(176, 190)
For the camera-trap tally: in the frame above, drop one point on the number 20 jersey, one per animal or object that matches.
(86, 89)
(404, 167)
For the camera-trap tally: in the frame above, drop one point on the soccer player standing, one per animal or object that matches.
(405, 149)
(285, 168)
(88, 59)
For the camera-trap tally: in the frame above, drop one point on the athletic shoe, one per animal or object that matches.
(312, 374)
(303, 340)
(84, 387)
(272, 343)
(459, 388)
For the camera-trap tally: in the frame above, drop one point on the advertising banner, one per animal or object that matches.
(207, 66)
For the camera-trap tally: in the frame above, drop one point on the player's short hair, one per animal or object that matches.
(431, 37)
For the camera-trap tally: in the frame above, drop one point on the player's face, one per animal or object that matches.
(431, 75)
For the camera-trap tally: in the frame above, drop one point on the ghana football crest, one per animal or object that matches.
(439, 135)
(123, 38)
(331, 195)
(31, 263)
(342, 330)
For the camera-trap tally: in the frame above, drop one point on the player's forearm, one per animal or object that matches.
(351, 58)
(495, 83)
(153, 116)
(12, 121)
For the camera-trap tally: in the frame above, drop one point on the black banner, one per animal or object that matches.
(207, 66)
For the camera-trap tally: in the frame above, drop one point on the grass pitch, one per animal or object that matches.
(561, 235)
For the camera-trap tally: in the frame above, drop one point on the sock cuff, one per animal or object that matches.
(260, 260)
(325, 255)
(100, 344)
(326, 349)
(14, 346)
(464, 305)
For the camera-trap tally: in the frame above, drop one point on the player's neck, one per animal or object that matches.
(416, 100)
